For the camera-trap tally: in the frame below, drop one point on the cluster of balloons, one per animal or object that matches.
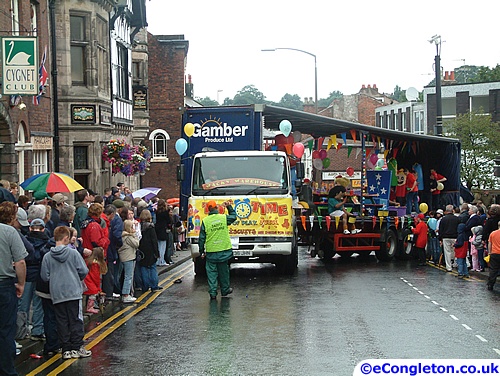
(181, 144)
(320, 159)
(373, 162)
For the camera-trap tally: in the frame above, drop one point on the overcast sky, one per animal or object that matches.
(355, 42)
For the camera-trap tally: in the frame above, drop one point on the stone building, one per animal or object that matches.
(94, 62)
(25, 128)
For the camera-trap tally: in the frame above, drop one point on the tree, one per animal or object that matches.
(249, 95)
(487, 74)
(207, 101)
(325, 102)
(399, 94)
(480, 140)
(291, 101)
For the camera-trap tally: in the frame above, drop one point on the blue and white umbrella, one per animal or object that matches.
(146, 193)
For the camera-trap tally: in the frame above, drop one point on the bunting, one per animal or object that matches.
(349, 151)
(353, 135)
(344, 137)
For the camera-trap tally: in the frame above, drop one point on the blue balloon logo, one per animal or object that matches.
(181, 146)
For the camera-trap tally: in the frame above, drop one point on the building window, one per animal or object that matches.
(34, 27)
(159, 140)
(418, 124)
(102, 36)
(402, 126)
(40, 161)
(122, 72)
(81, 157)
(79, 45)
(137, 74)
(14, 11)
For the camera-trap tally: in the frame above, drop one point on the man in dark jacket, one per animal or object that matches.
(448, 234)
(473, 221)
(214, 239)
(110, 280)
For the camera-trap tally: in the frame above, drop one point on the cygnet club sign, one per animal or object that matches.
(19, 66)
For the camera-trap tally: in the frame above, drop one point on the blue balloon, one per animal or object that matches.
(432, 223)
(285, 127)
(181, 146)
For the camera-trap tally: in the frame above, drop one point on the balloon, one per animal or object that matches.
(432, 223)
(423, 207)
(350, 171)
(298, 149)
(315, 154)
(369, 164)
(297, 136)
(326, 162)
(318, 164)
(380, 162)
(322, 154)
(181, 146)
(374, 159)
(189, 129)
(440, 186)
(285, 127)
(377, 168)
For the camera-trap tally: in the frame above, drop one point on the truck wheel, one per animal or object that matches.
(287, 265)
(389, 248)
(199, 267)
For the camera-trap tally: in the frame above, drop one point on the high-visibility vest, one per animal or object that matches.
(217, 234)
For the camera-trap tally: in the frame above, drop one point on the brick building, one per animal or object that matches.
(167, 61)
(26, 128)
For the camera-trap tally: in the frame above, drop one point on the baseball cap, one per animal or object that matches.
(420, 216)
(37, 222)
(211, 204)
(40, 195)
(118, 203)
(22, 217)
(59, 197)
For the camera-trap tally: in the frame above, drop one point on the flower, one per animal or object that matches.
(127, 159)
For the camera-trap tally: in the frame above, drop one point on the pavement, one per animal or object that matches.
(31, 348)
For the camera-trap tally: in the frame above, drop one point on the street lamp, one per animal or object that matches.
(436, 39)
(315, 71)
(219, 91)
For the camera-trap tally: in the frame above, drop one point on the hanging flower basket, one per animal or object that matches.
(127, 159)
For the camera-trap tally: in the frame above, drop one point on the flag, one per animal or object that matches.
(379, 182)
(43, 76)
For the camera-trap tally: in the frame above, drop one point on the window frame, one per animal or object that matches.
(80, 44)
(153, 137)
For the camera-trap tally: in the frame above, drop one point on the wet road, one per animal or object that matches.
(322, 321)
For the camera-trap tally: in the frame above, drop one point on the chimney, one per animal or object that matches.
(363, 86)
(188, 87)
(446, 76)
(375, 86)
(369, 86)
(452, 75)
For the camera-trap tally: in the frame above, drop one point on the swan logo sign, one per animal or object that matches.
(19, 66)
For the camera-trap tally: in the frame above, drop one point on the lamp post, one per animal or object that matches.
(315, 71)
(436, 39)
(219, 91)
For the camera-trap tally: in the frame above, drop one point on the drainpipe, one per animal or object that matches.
(55, 101)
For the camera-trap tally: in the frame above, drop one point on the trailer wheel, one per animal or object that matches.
(199, 267)
(388, 248)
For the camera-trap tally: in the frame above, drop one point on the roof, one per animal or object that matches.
(322, 126)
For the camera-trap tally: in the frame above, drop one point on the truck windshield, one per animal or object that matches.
(224, 175)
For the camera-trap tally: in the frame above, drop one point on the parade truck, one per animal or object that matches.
(224, 161)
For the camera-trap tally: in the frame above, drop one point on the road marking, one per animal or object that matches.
(436, 303)
(497, 351)
(420, 292)
(165, 283)
(427, 296)
(443, 309)
(481, 338)
(415, 288)
(467, 327)
(454, 317)
(409, 284)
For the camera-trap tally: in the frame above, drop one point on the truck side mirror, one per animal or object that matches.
(299, 170)
(181, 172)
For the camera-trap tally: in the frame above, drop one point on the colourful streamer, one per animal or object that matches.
(320, 218)
(328, 220)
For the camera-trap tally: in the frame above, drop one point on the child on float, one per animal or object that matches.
(336, 201)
